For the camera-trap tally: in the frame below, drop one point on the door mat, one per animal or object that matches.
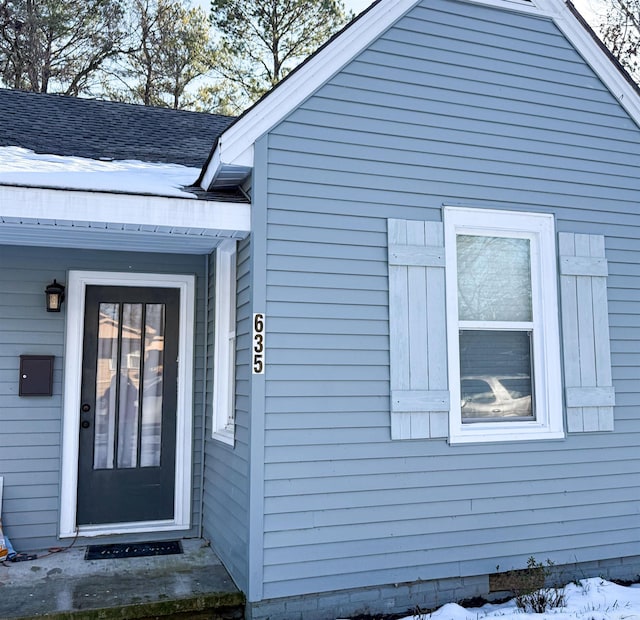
(132, 550)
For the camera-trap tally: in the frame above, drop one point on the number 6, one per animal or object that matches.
(258, 322)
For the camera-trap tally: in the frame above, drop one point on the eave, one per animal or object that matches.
(117, 221)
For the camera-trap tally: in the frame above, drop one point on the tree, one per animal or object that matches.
(58, 45)
(214, 98)
(262, 40)
(170, 47)
(620, 31)
(187, 53)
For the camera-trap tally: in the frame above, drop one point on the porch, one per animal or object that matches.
(193, 585)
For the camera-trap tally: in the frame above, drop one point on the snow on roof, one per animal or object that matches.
(19, 166)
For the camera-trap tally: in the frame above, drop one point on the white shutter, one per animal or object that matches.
(417, 329)
(589, 393)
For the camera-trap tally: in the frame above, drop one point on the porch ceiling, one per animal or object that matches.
(108, 221)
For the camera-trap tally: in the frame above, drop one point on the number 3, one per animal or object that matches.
(259, 343)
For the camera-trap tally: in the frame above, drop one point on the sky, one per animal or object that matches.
(357, 5)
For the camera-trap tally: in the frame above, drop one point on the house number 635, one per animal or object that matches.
(258, 344)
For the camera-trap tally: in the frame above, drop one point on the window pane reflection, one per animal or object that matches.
(129, 382)
(152, 386)
(495, 375)
(129, 386)
(494, 278)
(107, 365)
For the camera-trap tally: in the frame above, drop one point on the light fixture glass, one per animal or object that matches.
(54, 294)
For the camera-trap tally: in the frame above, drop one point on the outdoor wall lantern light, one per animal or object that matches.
(54, 294)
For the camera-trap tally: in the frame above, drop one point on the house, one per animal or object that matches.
(414, 365)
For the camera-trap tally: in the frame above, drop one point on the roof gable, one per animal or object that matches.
(232, 157)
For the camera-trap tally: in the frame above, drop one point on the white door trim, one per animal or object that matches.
(77, 281)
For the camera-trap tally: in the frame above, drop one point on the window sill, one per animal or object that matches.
(224, 436)
(485, 435)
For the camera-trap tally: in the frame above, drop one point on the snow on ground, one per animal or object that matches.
(20, 166)
(591, 599)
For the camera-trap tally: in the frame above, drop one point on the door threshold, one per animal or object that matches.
(137, 527)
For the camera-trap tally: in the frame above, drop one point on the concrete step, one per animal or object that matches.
(193, 586)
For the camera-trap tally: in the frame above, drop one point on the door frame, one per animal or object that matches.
(77, 282)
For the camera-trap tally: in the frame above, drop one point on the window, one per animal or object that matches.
(502, 326)
(494, 373)
(224, 343)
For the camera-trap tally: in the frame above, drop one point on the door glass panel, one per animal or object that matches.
(152, 386)
(494, 278)
(129, 403)
(106, 390)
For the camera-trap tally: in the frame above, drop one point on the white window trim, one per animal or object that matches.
(224, 343)
(539, 228)
(77, 282)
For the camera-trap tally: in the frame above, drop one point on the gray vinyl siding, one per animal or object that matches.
(456, 104)
(31, 428)
(226, 493)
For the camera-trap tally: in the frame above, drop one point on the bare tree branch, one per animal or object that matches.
(58, 45)
(262, 40)
(171, 49)
(620, 32)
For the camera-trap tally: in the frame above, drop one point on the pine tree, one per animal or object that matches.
(262, 40)
(170, 47)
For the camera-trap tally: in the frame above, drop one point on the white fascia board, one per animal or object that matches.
(103, 207)
(235, 146)
(213, 168)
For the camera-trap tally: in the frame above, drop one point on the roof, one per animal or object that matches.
(70, 126)
(153, 150)
(232, 157)
(82, 173)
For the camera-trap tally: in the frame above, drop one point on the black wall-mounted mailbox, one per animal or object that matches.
(36, 375)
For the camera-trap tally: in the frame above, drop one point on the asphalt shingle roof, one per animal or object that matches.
(71, 126)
